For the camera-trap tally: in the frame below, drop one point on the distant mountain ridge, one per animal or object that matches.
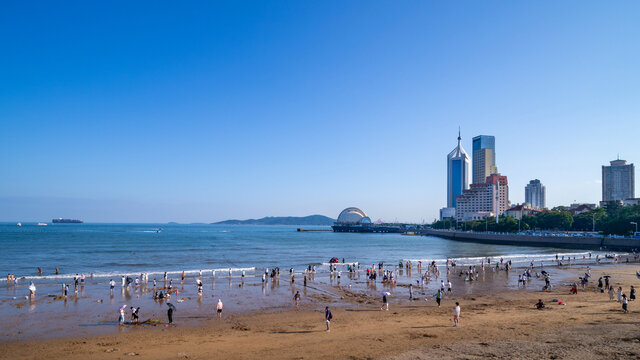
(282, 220)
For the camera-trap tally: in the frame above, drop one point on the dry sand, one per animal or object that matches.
(504, 325)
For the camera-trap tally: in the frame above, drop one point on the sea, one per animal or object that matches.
(229, 261)
(108, 250)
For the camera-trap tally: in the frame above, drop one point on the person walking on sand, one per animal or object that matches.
(112, 285)
(456, 314)
(327, 317)
(219, 307)
(625, 303)
(410, 291)
(439, 297)
(619, 294)
(385, 303)
(611, 292)
(449, 289)
(632, 293)
(296, 299)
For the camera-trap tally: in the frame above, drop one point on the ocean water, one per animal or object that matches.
(108, 250)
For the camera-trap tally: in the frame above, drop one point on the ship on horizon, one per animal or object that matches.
(66, 221)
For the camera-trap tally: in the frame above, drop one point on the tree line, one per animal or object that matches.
(614, 219)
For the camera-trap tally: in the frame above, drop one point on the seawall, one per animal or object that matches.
(574, 242)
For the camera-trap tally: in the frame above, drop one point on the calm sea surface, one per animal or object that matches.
(115, 249)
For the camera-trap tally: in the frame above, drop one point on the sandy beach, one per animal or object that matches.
(494, 322)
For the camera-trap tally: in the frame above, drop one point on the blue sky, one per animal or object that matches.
(159, 111)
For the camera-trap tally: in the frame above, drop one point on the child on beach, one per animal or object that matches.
(296, 299)
(327, 317)
(456, 314)
(32, 289)
(539, 304)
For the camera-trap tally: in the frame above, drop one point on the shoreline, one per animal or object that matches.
(361, 330)
(569, 242)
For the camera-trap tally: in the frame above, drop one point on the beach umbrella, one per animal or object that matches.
(123, 307)
(385, 293)
(170, 305)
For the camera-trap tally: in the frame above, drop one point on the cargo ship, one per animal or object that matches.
(66, 221)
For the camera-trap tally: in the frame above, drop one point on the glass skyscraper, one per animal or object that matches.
(484, 158)
(457, 173)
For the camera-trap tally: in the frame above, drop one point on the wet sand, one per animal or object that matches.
(498, 320)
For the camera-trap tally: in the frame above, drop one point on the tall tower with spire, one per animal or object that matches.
(458, 163)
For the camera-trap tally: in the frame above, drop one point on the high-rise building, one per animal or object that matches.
(618, 181)
(490, 198)
(457, 173)
(535, 194)
(484, 158)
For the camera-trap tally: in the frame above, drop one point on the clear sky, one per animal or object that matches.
(202, 111)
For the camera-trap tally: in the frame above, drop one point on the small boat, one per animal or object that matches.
(19, 224)
(42, 224)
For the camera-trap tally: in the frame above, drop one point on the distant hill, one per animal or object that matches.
(283, 220)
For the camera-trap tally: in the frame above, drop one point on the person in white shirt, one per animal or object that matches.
(448, 286)
(456, 314)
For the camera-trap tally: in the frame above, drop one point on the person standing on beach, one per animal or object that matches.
(112, 285)
(170, 314)
(439, 297)
(410, 291)
(32, 289)
(611, 292)
(449, 289)
(385, 303)
(619, 294)
(219, 307)
(296, 299)
(123, 281)
(121, 317)
(327, 317)
(625, 303)
(456, 314)
(632, 293)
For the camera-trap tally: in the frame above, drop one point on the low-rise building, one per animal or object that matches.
(447, 212)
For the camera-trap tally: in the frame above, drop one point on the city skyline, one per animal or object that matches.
(219, 111)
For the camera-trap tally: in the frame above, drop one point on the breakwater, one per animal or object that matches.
(560, 241)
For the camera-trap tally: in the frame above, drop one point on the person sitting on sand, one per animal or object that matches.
(539, 304)
(574, 289)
